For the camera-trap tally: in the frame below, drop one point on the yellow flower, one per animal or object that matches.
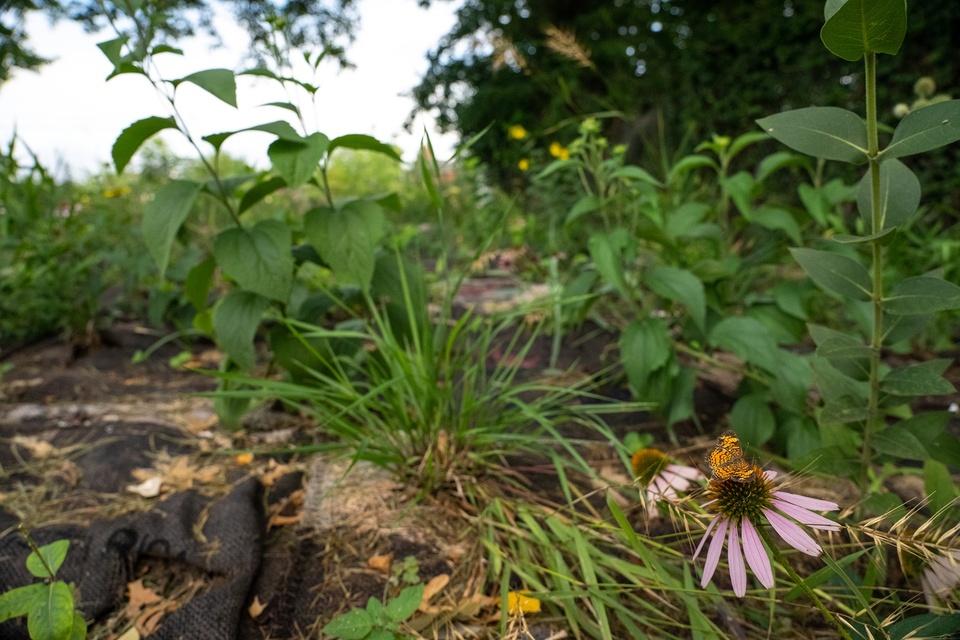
(516, 132)
(116, 192)
(519, 602)
(557, 150)
(524, 164)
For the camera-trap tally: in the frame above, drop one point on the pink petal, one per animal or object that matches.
(793, 534)
(675, 481)
(706, 534)
(805, 517)
(659, 485)
(805, 502)
(713, 553)
(738, 572)
(690, 473)
(769, 475)
(756, 555)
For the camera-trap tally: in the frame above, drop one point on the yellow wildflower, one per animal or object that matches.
(559, 151)
(116, 192)
(519, 602)
(524, 164)
(517, 132)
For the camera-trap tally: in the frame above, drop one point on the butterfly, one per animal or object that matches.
(727, 462)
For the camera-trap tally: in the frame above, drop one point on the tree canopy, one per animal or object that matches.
(711, 66)
(323, 24)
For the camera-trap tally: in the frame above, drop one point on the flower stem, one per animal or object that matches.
(778, 556)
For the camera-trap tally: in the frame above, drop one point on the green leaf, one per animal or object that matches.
(925, 625)
(823, 132)
(899, 443)
(279, 128)
(792, 380)
(689, 163)
(236, 318)
(164, 216)
(283, 105)
(363, 142)
(777, 219)
(79, 629)
(685, 219)
(131, 138)
(113, 49)
(259, 191)
(259, 258)
(780, 160)
(220, 83)
(606, 251)
(297, 161)
(405, 604)
(20, 601)
(586, 204)
(846, 238)
(835, 385)
(352, 625)
(925, 129)
(748, 339)
(680, 286)
(752, 418)
(834, 272)
(815, 202)
(843, 410)
(54, 555)
(938, 484)
(165, 48)
(740, 188)
(899, 195)
(347, 237)
(923, 379)
(921, 295)
(645, 346)
(858, 27)
(634, 173)
(196, 287)
(53, 617)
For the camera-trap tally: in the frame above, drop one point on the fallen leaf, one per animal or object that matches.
(148, 621)
(274, 472)
(139, 597)
(244, 458)
(282, 521)
(130, 634)
(381, 563)
(39, 448)
(200, 421)
(149, 488)
(434, 586)
(256, 608)
(518, 602)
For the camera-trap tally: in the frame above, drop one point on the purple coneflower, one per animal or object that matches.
(742, 507)
(661, 477)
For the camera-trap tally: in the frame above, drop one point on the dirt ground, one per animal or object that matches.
(88, 438)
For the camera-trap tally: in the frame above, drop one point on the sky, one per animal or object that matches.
(69, 115)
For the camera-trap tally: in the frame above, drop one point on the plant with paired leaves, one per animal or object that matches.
(861, 394)
(48, 605)
(378, 621)
(261, 261)
(687, 275)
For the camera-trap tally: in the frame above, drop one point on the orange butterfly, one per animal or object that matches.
(727, 461)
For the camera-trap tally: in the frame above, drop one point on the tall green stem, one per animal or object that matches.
(874, 415)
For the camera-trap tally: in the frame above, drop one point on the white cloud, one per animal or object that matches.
(68, 112)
